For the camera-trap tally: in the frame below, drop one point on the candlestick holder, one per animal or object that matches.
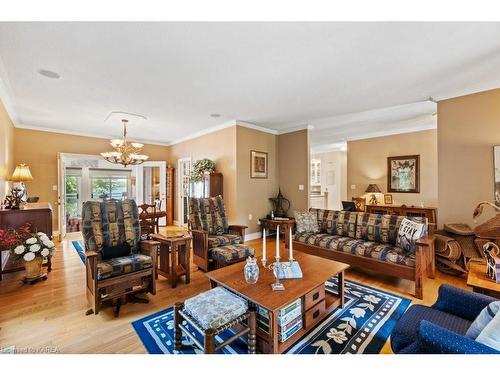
(275, 268)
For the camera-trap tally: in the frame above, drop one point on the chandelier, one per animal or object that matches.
(125, 153)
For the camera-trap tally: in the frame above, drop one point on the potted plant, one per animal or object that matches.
(201, 167)
(30, 246)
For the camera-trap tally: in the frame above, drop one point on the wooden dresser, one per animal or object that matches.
(38, 214)
(429, 212)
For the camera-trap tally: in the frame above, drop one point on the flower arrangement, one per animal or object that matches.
(37, 245)
(200, 167)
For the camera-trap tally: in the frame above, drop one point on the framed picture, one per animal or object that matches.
(496, 164)
(258, 164)
(403, 174)
(387, 198)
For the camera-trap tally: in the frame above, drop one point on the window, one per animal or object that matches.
(315, 172)
(108, 187)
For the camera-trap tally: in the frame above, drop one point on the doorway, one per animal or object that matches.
(184, 168)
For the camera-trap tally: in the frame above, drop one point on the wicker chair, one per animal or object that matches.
(210, 230)
(112, 223)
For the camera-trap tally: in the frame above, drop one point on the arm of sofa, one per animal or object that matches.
(239, 230)
(461, 302)
(434, 339)
(426, 246)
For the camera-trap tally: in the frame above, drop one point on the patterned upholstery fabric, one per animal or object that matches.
(369, 249)
(208, 214)
(306, 222)
(121, 265)
(110, 223)
(223, 240)
(337, 223)
(216, 307)
(231, 253)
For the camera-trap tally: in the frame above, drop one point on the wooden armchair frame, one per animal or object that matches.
(200, 245)
(118, 288)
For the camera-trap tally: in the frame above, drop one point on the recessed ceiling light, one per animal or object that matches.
(215, 115)
(49, 74)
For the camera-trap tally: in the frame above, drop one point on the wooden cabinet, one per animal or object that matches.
(211, 186)
(170, 195)
(38, 214)
(429, 212)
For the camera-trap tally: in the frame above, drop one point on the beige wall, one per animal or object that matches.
(219, 146)
(39, 149)
(6, 150)
(335, 163)
(367, 163)
(468, 128)
(253, 193)
(293, 167)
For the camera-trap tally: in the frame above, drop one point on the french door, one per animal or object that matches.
(184, 170)
(151, 185)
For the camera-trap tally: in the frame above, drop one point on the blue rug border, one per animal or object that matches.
(77, 245)
(373, 347)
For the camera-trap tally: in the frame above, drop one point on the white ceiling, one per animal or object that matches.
(347, 80)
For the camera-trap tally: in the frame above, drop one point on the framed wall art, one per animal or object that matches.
(258, 164)
(403, 174)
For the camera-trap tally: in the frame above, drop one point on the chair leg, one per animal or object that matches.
(209, 343)
(252, 338)
(177, 323)
(117, 307)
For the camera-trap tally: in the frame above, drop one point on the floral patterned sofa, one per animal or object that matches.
(368, 241)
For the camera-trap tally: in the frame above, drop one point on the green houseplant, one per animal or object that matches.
(201, 167)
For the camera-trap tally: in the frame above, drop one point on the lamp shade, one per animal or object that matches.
(21, 173)
(373, 188)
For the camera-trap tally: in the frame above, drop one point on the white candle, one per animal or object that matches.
(264, 244)
(290, 251)
(277, 241)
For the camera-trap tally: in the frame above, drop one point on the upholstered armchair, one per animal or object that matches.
(110, 225)
(210, 230)
(441, 328)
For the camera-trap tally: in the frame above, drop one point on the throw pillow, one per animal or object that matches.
(408, 234)
(482, 320)
(109, 252)
(490, 335)
(306, 222)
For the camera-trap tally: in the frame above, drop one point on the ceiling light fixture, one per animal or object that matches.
(125, 153)
(49, 74)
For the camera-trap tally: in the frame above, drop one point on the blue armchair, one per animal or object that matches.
(441, 328)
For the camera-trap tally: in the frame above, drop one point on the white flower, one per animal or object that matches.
(45, 252)
(31, 241)
(34, 248)
(41, 234)
(19, 250)
(338, 336)
(371, 298)
(357, 312)
(28, 257)
(48, 244)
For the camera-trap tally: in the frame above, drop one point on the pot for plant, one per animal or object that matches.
(34, 268)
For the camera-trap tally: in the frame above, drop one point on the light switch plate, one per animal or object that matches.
(250, 217)
(301, 187)
(54, 187)
(353, 187)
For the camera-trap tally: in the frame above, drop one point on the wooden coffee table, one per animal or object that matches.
(479, 280)
(316, 301)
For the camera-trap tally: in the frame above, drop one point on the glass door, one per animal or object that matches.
(73, 201)
(151, 185)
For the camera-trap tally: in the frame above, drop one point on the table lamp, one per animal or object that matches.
(21, 174)
(373, 188)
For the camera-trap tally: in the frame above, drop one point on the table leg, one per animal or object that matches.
(188, 261)
(341, 288)
(49, 263)
(173, 272)
(286, 235)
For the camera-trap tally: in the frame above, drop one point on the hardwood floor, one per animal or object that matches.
(52, 313)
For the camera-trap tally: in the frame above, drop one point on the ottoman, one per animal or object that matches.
(211, 313)
(230, 254)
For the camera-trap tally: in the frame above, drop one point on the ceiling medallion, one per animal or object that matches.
(125, 153)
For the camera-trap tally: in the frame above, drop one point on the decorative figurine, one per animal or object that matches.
(280, 205)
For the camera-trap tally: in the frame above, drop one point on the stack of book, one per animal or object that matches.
(289, 320)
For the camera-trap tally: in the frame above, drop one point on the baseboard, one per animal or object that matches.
(253, 236)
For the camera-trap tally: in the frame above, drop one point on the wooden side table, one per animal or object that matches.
(175, 257)
(479, 280)
(285, 225)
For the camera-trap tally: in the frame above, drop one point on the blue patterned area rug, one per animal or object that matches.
(362, 326)
(80, 249)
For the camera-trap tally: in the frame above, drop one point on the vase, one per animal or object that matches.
(251, 271)
(34, 268)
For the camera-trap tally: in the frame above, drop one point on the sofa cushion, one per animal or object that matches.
(231, 253)
(405, 332)
(482, 320)
(215, 307)
(377, 228)
(408, 234)
(306, 222)
(325, 240)
(337, 223)
(223, 240)
(122, 265)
